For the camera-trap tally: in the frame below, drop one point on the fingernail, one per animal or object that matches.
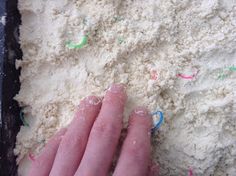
(116, 88)
(141, 111)
(92, 100)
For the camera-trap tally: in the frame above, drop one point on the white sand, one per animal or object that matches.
(128, 40)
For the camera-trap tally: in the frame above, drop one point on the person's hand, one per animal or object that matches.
(88, 145)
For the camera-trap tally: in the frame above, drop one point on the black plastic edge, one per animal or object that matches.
(10, 121)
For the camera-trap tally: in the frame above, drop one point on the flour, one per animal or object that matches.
(127, 41)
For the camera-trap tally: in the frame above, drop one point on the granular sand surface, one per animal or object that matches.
(176, 56)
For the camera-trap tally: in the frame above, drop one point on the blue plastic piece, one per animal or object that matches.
(158, 124)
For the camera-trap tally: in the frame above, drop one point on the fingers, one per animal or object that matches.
(135, 154)
(43, 163)
(73, 144)
(104, 135)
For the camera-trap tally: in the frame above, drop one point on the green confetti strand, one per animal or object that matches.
(222, 76)
(118, 18)
(120, 40)
(23, 119)
(79, 45)
(233, 68)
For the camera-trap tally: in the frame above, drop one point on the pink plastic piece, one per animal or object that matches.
(154, 75)
(187, 76)
(31, 157)
(190, 172)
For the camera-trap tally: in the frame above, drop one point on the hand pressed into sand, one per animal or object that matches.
(88, 145)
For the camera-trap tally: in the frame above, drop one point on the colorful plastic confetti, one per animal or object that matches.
(31, 157)
(183, 76)
(81, 44)
(154, 75)
(223, 74)
(23, 119)
(118, 18)
(190, 172)
(158, 124)
(120, 40)
(232, 68)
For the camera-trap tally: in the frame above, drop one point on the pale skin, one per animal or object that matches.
(87, 146)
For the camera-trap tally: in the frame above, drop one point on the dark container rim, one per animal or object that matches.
(9, 86)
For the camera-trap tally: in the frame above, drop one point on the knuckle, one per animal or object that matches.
(72, 142)
(135, 152)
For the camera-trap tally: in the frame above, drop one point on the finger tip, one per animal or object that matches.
(90, 101)
(117, 88)
(116, 93)
(140, 111)
(93, 100)
(141, 114)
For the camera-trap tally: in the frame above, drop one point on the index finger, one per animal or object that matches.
(43, 163)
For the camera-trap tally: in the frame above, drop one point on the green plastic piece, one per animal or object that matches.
(79, 45)
(118, 18)
(23, 119)
(120, 40)
(222, 76)
(233, 68)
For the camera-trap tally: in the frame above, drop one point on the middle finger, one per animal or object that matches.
(104, 135)
(72, 146)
